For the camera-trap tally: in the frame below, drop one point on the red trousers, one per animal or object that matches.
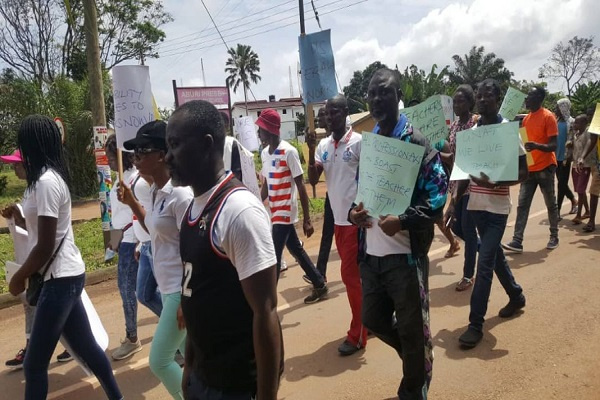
(346, 241)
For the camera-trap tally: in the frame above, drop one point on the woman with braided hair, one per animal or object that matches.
(60, 311)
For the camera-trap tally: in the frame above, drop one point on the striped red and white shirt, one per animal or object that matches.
(280, 169)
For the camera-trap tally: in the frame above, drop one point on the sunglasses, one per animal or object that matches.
(140, 151)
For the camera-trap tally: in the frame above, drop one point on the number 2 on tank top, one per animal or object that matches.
(187, 292)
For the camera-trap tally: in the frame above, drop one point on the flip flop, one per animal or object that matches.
(576, 221)
(454, 248)
(573, 210)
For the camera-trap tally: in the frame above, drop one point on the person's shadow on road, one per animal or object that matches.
(324, 362)
(485, 350)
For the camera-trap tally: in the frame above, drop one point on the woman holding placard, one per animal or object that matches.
(462, 225)
(163, 221)
(60, 311)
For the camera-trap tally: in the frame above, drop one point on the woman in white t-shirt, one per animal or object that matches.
(163, 221)
(60, 311)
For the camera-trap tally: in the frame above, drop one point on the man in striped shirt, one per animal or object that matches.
(282, 172)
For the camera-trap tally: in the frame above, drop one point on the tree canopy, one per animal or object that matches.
(478, 65)
(242, 67)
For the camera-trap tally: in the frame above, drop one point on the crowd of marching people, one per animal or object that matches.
(204, 253)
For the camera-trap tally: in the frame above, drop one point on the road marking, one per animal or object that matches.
(143, 362)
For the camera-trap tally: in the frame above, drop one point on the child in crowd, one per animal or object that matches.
(581, 173)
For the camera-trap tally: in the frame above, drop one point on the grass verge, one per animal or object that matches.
(88, 237)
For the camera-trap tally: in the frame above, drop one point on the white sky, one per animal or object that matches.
(423, 32)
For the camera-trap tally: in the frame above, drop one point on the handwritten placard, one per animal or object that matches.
(317, 67)
(134, 104)
(491, 149)
(249, 172)
(512, 103)
(245, 130)
(595, 124)
(429, 118)
(448, 106)
(525, 139)
(388, 172)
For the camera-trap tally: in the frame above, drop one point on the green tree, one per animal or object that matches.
(243, 67)
(477, 66)
(576, 61)
(418, 85)
(356, 91)
(586, 96)
(128, 30)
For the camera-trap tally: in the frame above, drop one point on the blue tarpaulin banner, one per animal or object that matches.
(317, 67)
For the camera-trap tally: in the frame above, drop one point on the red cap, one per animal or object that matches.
(14, 158)
(270, 121)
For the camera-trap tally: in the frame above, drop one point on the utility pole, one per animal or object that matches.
(94, 66)
(93, 62)
(309, 113)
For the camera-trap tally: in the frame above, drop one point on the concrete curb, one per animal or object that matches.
(91, 278)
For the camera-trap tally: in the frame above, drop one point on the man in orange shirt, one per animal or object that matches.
(542, 131)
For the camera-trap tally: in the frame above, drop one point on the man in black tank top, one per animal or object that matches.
(234, 349)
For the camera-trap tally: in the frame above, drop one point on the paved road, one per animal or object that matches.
(548, 352)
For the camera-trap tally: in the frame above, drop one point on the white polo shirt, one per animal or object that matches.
(340, 163)
(141, 191)
(121, 213)
(163, 220)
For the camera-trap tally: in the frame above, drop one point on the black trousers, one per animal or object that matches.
(562, 176)
(326, 238)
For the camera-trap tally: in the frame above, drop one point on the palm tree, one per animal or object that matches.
(243, 67)
(477, 66)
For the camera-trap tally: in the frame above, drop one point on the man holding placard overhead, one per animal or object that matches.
(489, 205)
(542, 131)
(394, 266)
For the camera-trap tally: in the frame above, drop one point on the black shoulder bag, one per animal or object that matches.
(36, 281)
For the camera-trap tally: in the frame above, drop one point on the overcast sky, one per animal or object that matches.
(422, 32)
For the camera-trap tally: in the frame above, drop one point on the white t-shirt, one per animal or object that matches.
(380, 245)
(280, 169)
(496, 201)
(50, 197)
(340, 163)
(121, 213)
(241, 230)
(163, 220)
(141, 191)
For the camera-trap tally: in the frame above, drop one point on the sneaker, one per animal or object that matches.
(464, 284)
(317, 295)
(283, 266)
(17, 362)
(512, 307)
(65, 356)
(514, 246)
(127, 349)
(347, 348)
(470, 338)
(307, 279)
(552, 243)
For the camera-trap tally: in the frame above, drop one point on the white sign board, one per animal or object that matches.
(245, 131)
(132, 94)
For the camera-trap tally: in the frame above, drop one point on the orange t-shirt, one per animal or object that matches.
(541, 126)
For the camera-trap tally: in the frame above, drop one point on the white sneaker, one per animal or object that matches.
(283, 266)
(127, 349)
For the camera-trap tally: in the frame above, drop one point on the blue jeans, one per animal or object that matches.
(126, 280)
(286, 236)
(545, 180)
(197, 390)
(147, 289)
(491, 260)
(60, 311)
(465, 229)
